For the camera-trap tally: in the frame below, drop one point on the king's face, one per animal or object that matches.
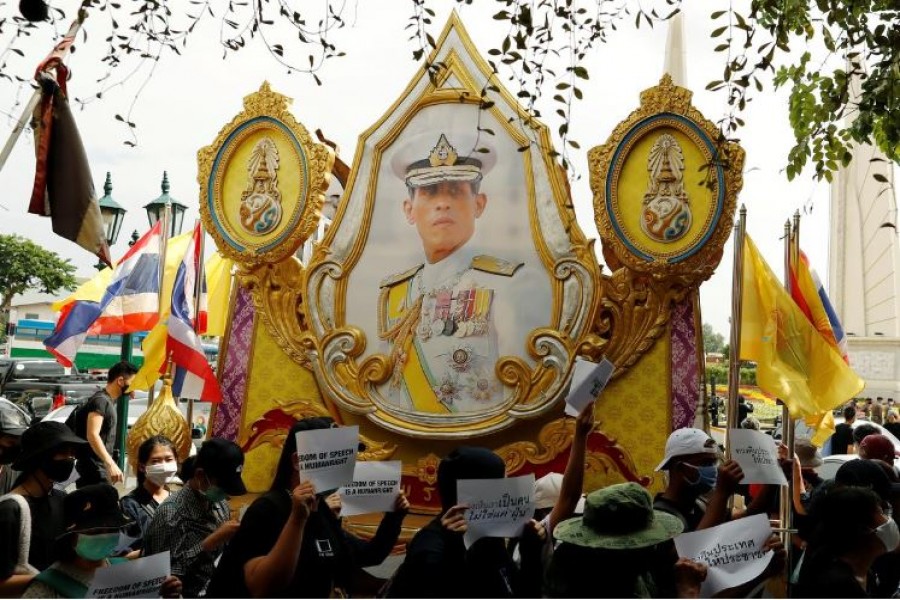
(444, 215)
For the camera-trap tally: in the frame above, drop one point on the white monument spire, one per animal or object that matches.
(675, 62)
(863, 252)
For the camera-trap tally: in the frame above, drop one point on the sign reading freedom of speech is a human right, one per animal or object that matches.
(374, 488)
(497, 507)
(139, 578)
(326, 457)
(733, 552)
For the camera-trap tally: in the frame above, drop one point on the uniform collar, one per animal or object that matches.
(433, 275)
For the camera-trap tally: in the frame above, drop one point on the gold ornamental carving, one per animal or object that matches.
(666, 161)
(161, 418)
(255, 215)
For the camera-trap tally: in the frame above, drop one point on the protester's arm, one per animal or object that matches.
(373, 552)
(689, 576)
(573, 478)
(529, 579)
(730, 475)
(217, 538)
(14, 585)
(799, 487)
(270, 574)
(94, 423)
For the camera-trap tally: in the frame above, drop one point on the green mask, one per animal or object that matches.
(215, 494)
(96, 547)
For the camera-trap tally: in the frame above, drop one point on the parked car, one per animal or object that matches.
(40, 385)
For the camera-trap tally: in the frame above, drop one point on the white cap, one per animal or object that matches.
(546, 490)
(687, 441)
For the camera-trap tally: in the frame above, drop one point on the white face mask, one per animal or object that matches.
(889, 534)
(161, 473)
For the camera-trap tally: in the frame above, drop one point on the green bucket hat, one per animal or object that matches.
(619, 517)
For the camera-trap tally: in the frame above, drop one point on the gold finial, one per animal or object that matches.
(161, 418)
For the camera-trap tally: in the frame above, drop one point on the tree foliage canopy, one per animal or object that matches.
(27, 266)
(543, 52)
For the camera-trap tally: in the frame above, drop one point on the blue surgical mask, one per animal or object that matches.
(96, 547)
(706, 478)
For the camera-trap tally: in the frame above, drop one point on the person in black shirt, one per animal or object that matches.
(842, 439)
(95, 421)
(851, 532)
(892, 422)
(13, 423)
(34, 505)
(291, 545)
(438, 564)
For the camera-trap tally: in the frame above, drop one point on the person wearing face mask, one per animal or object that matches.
(195, 523)
(95, 421)
(291, 543)
(93, 523)
(156, 468)
(31, 515)
(852, 531)
(692, 463)
(13, 423)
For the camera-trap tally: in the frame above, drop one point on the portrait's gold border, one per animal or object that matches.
(320, 158)
(336, 350)
(668, 98)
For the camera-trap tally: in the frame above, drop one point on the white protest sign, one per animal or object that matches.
(374, 488)
(327, 456)
(757, 455)
(140, 578)
(732, 552)
(497, 507)
(588, 380)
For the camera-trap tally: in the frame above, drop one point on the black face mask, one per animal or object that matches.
(9, 455)
(58, 469)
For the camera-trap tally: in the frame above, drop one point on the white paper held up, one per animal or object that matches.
(497, 507)
(374, 488)
(588, 381)
(327, 456)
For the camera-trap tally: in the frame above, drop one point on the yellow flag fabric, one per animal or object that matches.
(91, 290)
(218, 293)
(794, 362)
(154, 345)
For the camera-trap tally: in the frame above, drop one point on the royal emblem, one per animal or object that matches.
(261, 202)
(667, 215)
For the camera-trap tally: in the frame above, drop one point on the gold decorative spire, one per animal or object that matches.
(161, 418)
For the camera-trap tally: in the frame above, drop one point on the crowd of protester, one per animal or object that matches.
(616, 541)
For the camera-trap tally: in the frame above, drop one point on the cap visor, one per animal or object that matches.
(234, 486)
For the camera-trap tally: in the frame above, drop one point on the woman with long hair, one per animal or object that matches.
(157, 466)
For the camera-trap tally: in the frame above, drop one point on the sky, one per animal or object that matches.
(189, 98)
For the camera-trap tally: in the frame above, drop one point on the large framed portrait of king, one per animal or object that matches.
(449, 296)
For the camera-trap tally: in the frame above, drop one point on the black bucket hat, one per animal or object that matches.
(93, 507)
(43, 439)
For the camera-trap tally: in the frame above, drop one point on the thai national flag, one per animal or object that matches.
(809, 294)
(194, 377)
(130, 303)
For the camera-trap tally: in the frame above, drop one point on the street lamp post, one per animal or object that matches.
(155, 212)
(112, 214)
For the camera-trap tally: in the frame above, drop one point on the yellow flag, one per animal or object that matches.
(794, 362)
(91, 290)
(218, 293)
(154, 345)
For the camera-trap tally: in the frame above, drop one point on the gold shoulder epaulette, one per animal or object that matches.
(398, 277)
(497, 266)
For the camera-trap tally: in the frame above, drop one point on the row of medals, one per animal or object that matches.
(455, 325)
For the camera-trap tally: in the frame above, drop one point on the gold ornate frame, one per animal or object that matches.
(335, 347)
(263, 110)
(666, 106)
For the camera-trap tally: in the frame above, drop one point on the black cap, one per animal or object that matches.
(223, 460)
(93, 507)
(43, 439)
(13, 421)
(466, 462)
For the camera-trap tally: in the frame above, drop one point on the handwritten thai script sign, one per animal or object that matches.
(326, 457)
(733, 552)
(374, 488)
(757, 455)
(588, 380)
(140, 578)
(497, 507)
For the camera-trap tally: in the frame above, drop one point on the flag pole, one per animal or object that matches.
(62, 48)
(163, 244)
(198, 292)
(734, 354)
(786, 505)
